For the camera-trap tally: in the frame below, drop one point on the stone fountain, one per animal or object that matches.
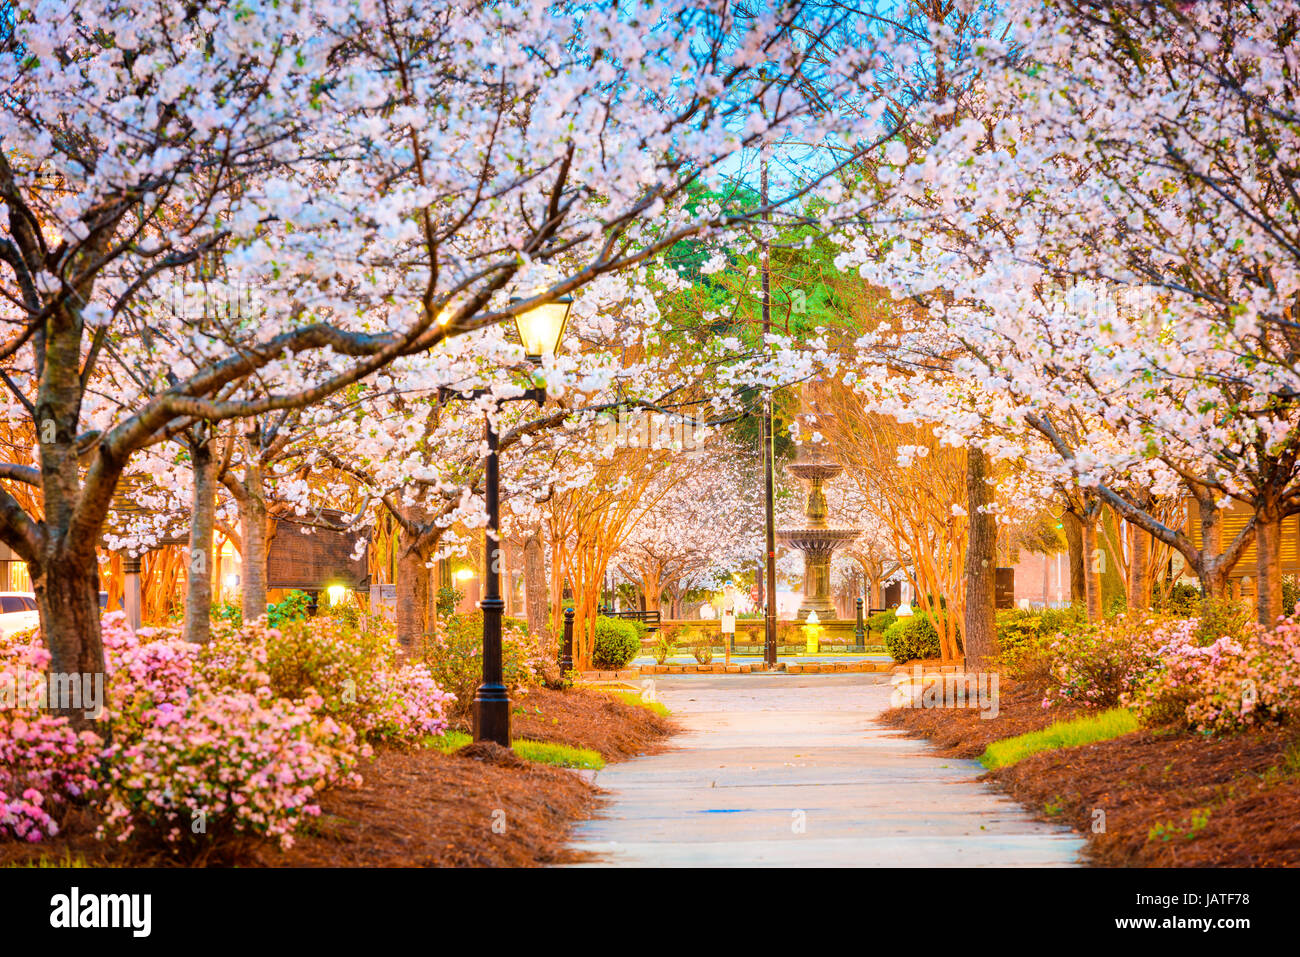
(817, 540)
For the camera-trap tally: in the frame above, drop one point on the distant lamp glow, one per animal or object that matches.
(232, 581)
(337, 593)
(813, 619)
(904, 611)
(541, 328)
(464, 574)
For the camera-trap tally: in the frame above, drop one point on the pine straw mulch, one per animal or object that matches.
(1171, 798)
(481, 806)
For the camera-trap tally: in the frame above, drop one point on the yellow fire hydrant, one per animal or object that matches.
(812, 630)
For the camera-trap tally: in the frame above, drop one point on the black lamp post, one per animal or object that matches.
(540, 330)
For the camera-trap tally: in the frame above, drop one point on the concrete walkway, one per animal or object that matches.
(777, 770)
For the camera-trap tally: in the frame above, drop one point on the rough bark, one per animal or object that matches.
(979, 628)
(413, 592)
(535, 588)
(1074, 543)
(1268, 565)
(1139, 568)
(67, 593)
(198, 581)
(1094, 556)
(652, 588)
(252, 557)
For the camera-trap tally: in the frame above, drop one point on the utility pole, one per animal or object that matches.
(769, 450)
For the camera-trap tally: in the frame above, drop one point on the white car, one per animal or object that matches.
(17, 611)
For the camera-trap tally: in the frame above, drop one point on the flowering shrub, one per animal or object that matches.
(202, 745)
(1095, 666)
(354, 671)
(226, 760)
(1229, 685)
(44, 763)
(233, 736)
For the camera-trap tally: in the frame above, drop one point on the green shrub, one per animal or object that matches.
(617, 643)
(703, 651)
(1024, 638)
(1220, 618)
(664, 646)
(1072, 619)
(1182, 601)
(447, 599)
(1021, 649)
(879, 622)
(228, 611)
(454, 656)
(1290, 594)
(911, 638)
(293, 607)
(356, 670)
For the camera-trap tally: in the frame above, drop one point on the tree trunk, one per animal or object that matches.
(67, 594)
(1074, 542)
(1094, 556)
(198, 581)
(1211, 569)
(252, 558)
(413, 592)
(979, 627)
(1268, 565)
(535, 588)
(652, 587)
(1139, 568)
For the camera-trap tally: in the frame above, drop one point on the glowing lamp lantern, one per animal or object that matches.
(337, 594)
(542, 327)
(464, 574)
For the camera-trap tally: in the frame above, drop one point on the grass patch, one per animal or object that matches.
(634, 698)
(560, 755)
(1062, 734)
(448, 742)
(542, 752)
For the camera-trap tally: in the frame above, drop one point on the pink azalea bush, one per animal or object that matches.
(44, 763)
(1097, 665)
(358, 674)
(238, 736)
(1229, 685)
(191, 753)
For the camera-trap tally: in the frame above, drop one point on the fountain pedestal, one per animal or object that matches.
(817, 541)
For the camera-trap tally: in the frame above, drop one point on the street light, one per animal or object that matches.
(540, 329)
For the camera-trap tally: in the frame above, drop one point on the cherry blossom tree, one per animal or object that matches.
(368, 179)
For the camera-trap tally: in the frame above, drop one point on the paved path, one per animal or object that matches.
(764, 754)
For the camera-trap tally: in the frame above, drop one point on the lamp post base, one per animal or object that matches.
(492, 715)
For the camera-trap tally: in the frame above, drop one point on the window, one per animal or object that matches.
(10, 604)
